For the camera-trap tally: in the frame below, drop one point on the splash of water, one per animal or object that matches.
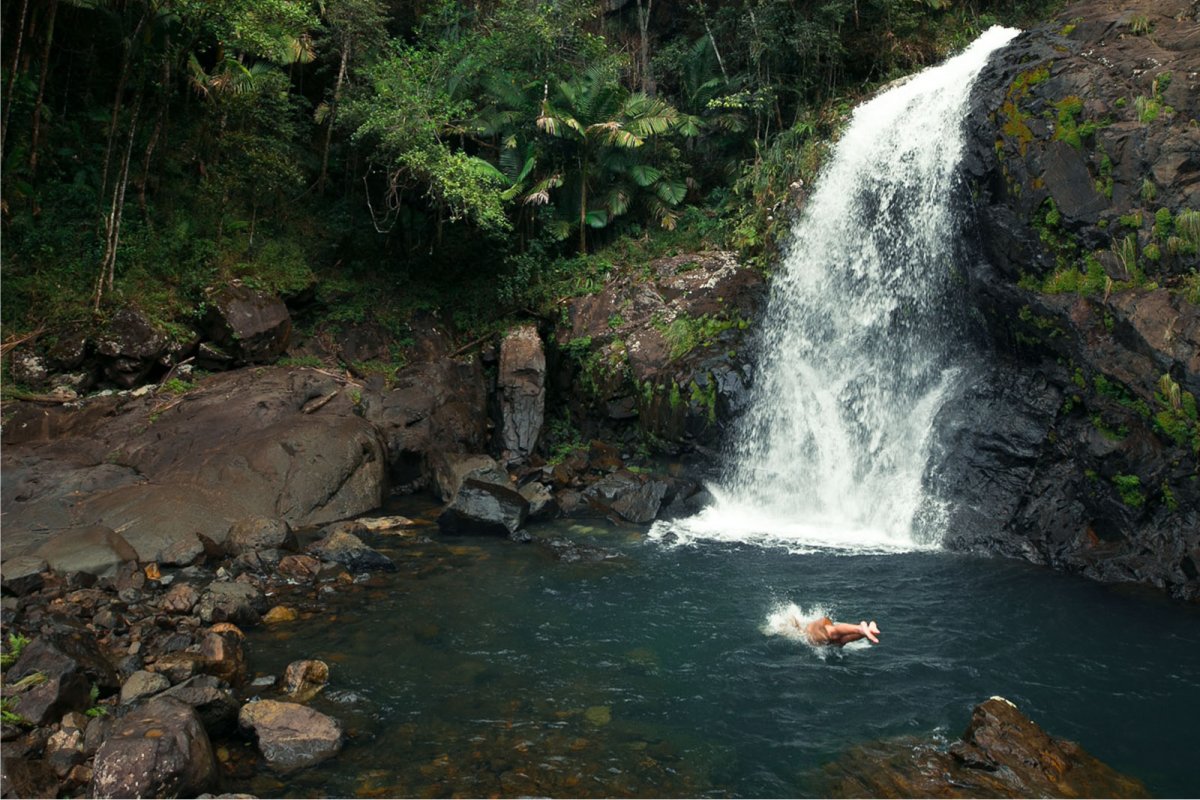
(861, 342)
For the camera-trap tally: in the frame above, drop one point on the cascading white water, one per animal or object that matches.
(861, 336)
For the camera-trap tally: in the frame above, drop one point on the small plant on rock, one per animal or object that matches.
(1129, 487)
(16, 643)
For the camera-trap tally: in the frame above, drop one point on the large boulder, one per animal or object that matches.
(436, 406)
(129, 347)
(449, 470)
(630, 497)
(484, 508)
(159, 749)
(251, 325)
(186, 470)
(291, 736)
(1002, 753)
(94, 549)
(521, 387)
(260, 533)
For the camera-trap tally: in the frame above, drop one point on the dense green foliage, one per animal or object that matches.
(402, 155)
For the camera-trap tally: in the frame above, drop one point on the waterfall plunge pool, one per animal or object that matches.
(484, 667)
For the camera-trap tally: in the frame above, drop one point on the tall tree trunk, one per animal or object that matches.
(643, 12)
(112, 238)
(582, 207)
(716, 51)
(126, 64)
(158, 126)
(12, 74)
(37, 108)
(333, 108)
(160, 122)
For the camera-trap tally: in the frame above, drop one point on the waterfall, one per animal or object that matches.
(862, 339)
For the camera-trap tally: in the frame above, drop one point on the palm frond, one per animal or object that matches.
(645, 175)
(667, 217)
(617, 201)
(671, 192)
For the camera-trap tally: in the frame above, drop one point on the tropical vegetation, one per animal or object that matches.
(467, 156)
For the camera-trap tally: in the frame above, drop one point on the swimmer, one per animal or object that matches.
(825, 631)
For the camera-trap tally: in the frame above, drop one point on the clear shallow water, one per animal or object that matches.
(485, 667)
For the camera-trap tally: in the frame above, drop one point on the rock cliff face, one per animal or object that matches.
(664, 351)
(1076, 444)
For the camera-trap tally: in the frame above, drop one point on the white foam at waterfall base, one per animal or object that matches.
(862, 337)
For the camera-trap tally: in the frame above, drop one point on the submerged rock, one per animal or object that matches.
(304, 680)
(346, 549)
(1002, 753)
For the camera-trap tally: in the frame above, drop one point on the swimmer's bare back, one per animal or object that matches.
(826, 632)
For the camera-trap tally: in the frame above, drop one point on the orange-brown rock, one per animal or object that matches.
(1001, 754)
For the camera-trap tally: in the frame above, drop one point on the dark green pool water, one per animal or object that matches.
(485, 667)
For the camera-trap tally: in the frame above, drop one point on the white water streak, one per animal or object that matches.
(861, 337)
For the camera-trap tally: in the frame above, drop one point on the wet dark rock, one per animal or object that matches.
(436, 406)
(224, 652)
(628, 496)
(230, 601)
(521, 389)
(48, 699)
(63, 651)
(348, 550)
(213, 700)
(178, 666)
(95, 734)
(253, 326)
(159, 749)
(484, 508)
(1075, 446)
(22, 574)
(260, 533)
(291, 736)
(26, 777)
(687, 504)
(1002, 754)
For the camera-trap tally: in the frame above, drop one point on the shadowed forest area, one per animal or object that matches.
(367, 158)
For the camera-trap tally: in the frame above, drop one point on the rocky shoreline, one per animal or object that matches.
(140, 683)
